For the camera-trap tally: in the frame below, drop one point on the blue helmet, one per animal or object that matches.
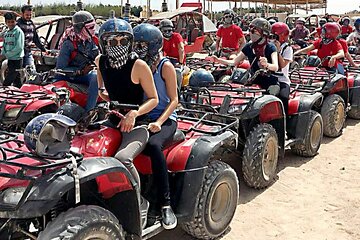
(201, 78)
(357, 24)
(48, 135)
(151, 35)
(114, 26)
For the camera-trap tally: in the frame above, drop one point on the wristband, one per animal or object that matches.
(102, 89)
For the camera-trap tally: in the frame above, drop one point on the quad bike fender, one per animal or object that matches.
(194, 173)
(47, 191)
(39, 104)
(355, 92)
(296, 124)
(265, 109)
(338, 85)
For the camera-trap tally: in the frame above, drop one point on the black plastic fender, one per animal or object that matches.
(48, 190)
(296, 124)
(355, 92)
(199, 157)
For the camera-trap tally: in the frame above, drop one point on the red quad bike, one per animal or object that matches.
(335, 89)
(262, 123)
(353, 76)
(94, 195)
(39, 94)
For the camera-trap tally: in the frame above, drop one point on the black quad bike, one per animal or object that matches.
(93, 196)
(335, 89)
(262, 132)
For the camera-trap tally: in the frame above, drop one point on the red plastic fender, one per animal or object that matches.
(293, 106)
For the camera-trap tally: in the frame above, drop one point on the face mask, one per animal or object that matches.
(228, 20)
(254, 37)
(272, 40)
(118, 55)
(141, 51)
(327, 41)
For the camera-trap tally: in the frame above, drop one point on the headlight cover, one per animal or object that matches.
(12, 195)
(12, 113)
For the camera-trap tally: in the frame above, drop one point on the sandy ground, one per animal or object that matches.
(313, 198)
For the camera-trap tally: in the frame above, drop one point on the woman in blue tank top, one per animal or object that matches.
(148, 43)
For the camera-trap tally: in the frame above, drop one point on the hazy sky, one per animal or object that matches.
(334, 6)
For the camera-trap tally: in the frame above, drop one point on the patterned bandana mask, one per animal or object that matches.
(118, 55)
(87, 32)
(141, 51)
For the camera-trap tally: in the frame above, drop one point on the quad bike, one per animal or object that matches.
(39, 94)
(262, 137)
(335, 89)
(93, 195)
(299, 60)
(353, 76)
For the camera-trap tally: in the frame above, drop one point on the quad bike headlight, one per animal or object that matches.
(12, 113)
(12, 195)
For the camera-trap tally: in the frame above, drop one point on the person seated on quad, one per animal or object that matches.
(229, 38)
(124, 78)
(317, 32)
(163, 119)
(300, 32)
(260, 53)
(347, 55)
(78, 50)
(173, 45)
(280, 37)
(354, 37)
(31, 35)
(346, 28)
(328, 46)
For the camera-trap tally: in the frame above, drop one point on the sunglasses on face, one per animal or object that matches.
(274, 37)
(140, 44)
(167, 31)
(114, 41)
(227, 16)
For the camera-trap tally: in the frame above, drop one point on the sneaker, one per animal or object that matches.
(169, 220)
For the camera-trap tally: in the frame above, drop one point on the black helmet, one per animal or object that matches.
(79, 19)
(272, 21)
(322, 21)
(312, 61)
(261, 24)
(166, 23)
(229, 12)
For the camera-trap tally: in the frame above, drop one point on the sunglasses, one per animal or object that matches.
(140, 44)
(227, 16)
(167, 31)
(114, 41)
(274, 37)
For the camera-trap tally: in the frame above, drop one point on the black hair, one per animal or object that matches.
(9, 16)
(26, 8)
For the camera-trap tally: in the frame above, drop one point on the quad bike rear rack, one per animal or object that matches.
(18, 99)
(209, 123)
(319, 78)
(12, 157)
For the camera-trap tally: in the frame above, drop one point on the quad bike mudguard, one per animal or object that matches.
(354, 92)
(296, 124)
(49, 189)
(338, 85)
(194, 173)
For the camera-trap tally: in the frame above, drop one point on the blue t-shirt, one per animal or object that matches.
(263, 81)
(249, 53)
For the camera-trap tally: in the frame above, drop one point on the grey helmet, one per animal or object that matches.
(80, 18)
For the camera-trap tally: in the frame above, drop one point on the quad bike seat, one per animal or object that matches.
(78, 87)
(178, 137)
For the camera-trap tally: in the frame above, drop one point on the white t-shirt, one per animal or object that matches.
(353, 36)
(286, 52)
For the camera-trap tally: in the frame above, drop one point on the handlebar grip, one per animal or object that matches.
(118, 106)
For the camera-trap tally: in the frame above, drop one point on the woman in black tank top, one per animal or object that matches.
(125, 79)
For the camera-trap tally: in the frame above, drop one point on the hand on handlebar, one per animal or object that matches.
(87, 69)
(263, 62)
(128, 122)
(332, 61)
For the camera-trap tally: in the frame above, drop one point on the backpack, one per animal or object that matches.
(75, 52)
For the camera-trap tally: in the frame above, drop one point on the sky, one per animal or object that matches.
(334, 6)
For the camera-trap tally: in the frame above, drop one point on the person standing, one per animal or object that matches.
(13, 50)
(31, 36)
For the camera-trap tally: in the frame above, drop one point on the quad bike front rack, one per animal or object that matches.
(13, 155)
(318, 78)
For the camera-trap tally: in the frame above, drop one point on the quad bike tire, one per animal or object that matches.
(224, 79)
(354, 113)
(333, 113)
(216, 205)
(260, 156)
(84, 222)
(313, 137)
